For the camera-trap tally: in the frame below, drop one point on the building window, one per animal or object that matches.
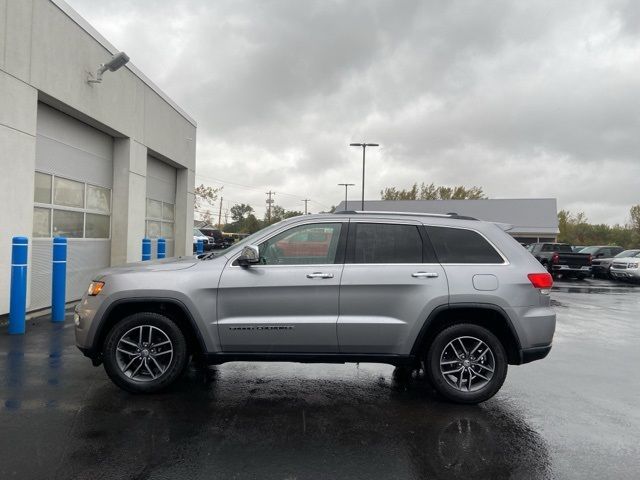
(160, 216)
(70, 208)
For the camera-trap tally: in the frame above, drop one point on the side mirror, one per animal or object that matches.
(600, 255)
(250, 254)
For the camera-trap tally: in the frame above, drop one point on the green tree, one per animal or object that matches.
(433, 192)
(576, 230)
(239, 210)
(250, 224)
(279, 213)
(634, 213)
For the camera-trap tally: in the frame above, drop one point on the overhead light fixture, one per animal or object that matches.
(118, 61)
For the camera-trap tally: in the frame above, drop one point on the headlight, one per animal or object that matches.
(632, 265)
(95, 288)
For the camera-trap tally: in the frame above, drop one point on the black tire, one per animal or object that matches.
(442, 384)
(174, 367)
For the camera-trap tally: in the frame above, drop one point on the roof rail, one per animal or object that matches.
(407, 214)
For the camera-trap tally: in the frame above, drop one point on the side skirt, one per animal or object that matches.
(224, 357)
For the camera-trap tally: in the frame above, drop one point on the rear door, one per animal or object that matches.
(390, 284)
(289, 302)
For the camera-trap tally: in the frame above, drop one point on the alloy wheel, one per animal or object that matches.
(144, 353)
(467, 364)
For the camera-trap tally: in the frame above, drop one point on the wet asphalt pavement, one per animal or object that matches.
(575, 414)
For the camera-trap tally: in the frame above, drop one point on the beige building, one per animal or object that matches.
(103, 164)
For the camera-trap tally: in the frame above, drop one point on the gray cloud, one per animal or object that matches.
(523, 98)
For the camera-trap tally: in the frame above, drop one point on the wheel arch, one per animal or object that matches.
(489, 316)
(170, 307)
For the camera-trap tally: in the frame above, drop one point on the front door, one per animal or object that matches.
(288, 303)
(390, 284)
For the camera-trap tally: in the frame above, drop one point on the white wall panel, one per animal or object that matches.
(161, 181)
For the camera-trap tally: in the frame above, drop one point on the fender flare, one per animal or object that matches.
(417, 344)
(99, 334)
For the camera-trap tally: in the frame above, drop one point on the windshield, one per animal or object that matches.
(628, 253)
(251, 238)
(245, 241)
(198, 233)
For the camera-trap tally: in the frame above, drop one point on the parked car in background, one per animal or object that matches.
(602, 251)
(559, 259)
(600, 267)
(216, 238)
(198, 235)
(577, 248)
(627, 267)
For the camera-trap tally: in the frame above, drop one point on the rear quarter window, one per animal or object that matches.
(459, 245)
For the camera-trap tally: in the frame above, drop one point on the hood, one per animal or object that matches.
(625, 260)
(164, 265)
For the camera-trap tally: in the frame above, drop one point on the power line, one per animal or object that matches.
(242, 185)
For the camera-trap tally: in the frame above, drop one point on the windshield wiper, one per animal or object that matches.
(207, 256)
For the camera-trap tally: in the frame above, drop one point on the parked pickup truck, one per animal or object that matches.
(559, 258)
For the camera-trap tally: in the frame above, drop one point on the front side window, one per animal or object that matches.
(458, 245)
(386, 243)
(315, 244)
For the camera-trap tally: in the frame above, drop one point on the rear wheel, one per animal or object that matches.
(466, 363)
(145, 352)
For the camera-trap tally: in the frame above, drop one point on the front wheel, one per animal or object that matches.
(466, 363)
(145, 352)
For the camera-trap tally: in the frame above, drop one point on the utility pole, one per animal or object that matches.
(269, 203)
(220, 215)
(346, 192)
(306, 200)
(364, 149)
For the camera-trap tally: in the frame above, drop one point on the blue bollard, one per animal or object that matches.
(59, 279)
(18, 299)
(200, 247)
(146, 249)
(162, 248)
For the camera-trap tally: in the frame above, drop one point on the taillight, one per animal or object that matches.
(541, 280)
(590, 258)
(555, 258)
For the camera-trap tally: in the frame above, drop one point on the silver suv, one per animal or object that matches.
(450, 294)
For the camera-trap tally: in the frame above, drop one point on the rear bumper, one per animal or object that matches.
(568, 269)
(536, 353)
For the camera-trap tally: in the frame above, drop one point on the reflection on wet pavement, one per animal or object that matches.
(62, 418)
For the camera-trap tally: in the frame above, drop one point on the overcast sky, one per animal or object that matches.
(525, 99)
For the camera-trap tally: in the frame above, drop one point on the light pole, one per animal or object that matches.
(364, 150)
(346, 190)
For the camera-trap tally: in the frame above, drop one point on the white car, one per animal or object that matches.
(198, 235)
(626, 268)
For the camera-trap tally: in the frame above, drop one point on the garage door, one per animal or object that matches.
(73, 181)
(161, 199)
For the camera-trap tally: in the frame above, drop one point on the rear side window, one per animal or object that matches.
(385, 243)
(457, 245)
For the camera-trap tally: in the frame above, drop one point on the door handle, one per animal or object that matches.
(319, 275)
(424, 275)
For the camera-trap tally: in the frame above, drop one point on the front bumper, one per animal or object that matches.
(632, 273)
